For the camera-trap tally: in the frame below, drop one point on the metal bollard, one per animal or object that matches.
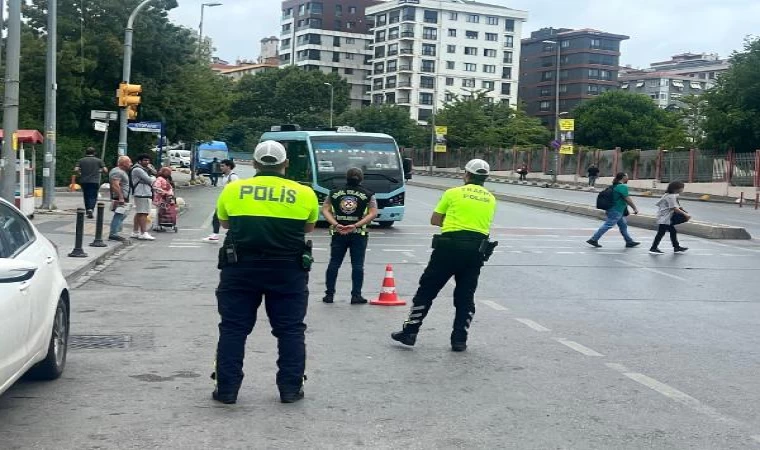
(741, 199)
(98, 242)
(757, 200)
(78, 252)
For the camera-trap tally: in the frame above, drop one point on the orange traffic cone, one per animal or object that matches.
(388, 296)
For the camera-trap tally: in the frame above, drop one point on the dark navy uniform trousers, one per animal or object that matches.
(283, 287)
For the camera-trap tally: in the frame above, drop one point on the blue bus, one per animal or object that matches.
(206, 153)
(320, 159)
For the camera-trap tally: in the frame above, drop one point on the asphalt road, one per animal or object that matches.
(722, 213)
(571, 348)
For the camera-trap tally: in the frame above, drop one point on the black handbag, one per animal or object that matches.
(678, 219)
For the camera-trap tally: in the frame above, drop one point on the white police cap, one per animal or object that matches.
(270, 153)
(478, 167)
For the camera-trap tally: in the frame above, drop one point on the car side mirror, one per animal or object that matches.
(408, 166)
(12, 271)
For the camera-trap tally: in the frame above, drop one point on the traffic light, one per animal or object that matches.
(129, 97)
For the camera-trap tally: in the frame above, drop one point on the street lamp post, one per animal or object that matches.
(51, 87)
(557, 114)
(332, 101)
(127, 71)
(200, 31)
(11, 104)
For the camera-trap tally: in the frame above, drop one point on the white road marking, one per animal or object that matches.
(649, 269)
(578, 347)
(408, 254)
(756, 438)
(185, 246)
(493, 305)
(618, 367)
(681, 397)
(536, 326)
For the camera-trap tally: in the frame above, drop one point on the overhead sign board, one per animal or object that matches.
(110, 116)
(145, 127)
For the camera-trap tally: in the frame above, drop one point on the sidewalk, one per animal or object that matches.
(60, 227)
(709, 192)
(706, 212)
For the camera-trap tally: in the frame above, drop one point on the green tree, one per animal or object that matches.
(476, 122)
(623, 119)
(733, 106)
(392, 120)
(188, 97)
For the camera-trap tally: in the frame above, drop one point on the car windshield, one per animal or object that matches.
(335, 155)
(211, 154)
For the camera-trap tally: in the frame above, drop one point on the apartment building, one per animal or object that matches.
(706, 67)
(589, 62)
(428, 52)
(332, 36)
(665, 88)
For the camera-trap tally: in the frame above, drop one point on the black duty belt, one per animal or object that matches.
(256, 257)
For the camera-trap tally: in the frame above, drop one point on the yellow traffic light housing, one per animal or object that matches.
(132, 112)
(129, 95)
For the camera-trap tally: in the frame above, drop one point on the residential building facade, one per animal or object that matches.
(332, 36)
(428, 52)
(589, 62)
(706, 67)
(270, 51)
(666, 89)
(238, 72)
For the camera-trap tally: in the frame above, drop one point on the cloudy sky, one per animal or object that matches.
(658, 28)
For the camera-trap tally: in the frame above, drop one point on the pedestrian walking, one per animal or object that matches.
(670, 214)
(523, 172)
(620, 200)
(264, 257)
(121, 189)
(228, 176)
(142, 191)
(593, 174)
(215, 171)
(89, 170)
(163, 190)
(465, 215)
(349, 210)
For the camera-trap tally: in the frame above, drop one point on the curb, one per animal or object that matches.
(95, 262)
(699, 229)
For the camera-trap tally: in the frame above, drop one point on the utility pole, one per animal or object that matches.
(51, 83)
(10, 107)
(557, 114)
(332, 101)
(127, 71)
(200, 28)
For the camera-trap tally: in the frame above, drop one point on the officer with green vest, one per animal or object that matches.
(349, 210)
(264, 257)
(465, 215)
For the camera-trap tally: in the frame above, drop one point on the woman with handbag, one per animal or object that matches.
(670, 214)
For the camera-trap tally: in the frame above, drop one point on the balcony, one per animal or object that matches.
(407, 51)
(390, 85)
(427, 86)
(404, 84)
(404, 101)
(408, 18)
(407, 35)
(405, 68)
(392, 52)
(428, 52)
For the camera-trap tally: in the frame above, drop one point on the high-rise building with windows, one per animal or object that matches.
(589, 61)
(428, 52)
(331, 36)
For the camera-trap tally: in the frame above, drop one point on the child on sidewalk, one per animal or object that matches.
(669, 214)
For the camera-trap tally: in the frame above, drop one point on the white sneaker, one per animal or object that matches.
(135, 235)
(213, 238)
(146, 237)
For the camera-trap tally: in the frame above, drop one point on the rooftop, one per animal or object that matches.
(548, 33)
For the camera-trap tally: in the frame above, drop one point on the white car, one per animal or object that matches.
(34, 302)
(179, 158)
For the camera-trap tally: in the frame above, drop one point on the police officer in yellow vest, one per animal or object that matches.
(349, 210)
(465, 215)
(264, 257)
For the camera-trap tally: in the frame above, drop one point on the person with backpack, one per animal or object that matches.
(215, 172)
(615, 201)
(669, 214)
(142, 191)
(228, 176)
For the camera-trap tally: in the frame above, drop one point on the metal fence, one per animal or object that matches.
(693, 166)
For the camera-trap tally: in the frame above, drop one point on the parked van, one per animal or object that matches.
(179, 158)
